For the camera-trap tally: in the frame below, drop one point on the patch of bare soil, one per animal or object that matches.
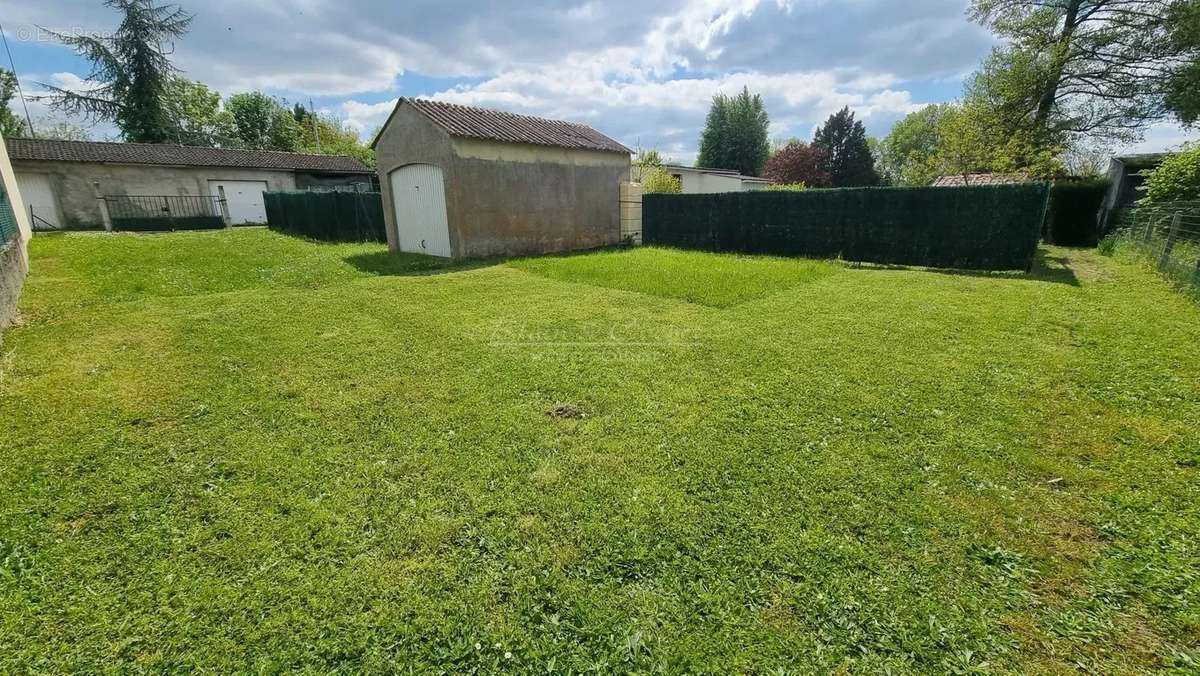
(567, 412)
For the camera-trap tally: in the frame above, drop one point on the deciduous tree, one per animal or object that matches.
(325, 135)
(975, 139)
(62, 130)
(798, 162)
(909, 149)
(10, 124)
(1183, 85)
(197, 116)
(263, 122)
(1096, 69)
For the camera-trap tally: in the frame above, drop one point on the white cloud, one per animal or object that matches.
(1162, 137)
(641, 72)
(41, 112)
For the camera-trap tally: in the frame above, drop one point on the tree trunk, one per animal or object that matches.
(1062, 51)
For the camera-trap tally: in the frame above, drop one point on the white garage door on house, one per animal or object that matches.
(40, 201)
(419, 197)
(244, 199)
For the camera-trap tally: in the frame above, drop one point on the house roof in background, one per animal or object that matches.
(731, 173)
(175, 155)
(496, 125)
(959, 180)
(703, 170)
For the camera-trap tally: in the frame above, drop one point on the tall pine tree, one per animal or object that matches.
(735, 134)
(131, 71)
(849, 159)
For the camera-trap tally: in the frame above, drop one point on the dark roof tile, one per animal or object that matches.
(958, 180)
(495, 125)
(175, 155)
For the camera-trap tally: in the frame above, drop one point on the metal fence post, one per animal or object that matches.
(1169, 247)
(102, 203)
(224, 207)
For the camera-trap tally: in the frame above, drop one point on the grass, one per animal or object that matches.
(239, 451)
(715, 280)
(1181, 268)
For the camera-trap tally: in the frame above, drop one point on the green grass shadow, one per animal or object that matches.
(1047, 267)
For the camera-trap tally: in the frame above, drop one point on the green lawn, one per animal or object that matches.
(239, 451)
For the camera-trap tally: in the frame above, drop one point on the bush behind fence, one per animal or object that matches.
(977, 227)
(327, 216)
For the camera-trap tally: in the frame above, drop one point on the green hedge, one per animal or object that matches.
(327, 216)
(976, 227)
(1073, 214)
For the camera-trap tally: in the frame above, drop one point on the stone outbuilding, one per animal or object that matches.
(72, 185)
(466, 182)
(1127, 174)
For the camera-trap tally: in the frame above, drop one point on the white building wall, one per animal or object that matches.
(695, 181)
(14, 257)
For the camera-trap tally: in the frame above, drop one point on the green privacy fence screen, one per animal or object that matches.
(976, 227)
(1073, 215)
(327, 216)
(8, 219)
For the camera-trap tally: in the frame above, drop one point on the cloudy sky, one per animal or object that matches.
(642, 72)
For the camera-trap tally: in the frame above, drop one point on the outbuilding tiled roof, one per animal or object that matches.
(174, 155)
(958, 180)
(496, 125)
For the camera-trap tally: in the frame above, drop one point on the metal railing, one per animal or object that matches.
(165, 212)
(39, 224)
(1169, 235)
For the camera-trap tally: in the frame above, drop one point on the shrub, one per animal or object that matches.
(661, 182)
(1176, 179)
(788, 187)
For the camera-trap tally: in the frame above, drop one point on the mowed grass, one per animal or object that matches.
(717, 280)
(322, 458)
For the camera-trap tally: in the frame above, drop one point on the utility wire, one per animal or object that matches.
(28, 119)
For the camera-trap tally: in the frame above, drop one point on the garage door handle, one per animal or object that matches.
(422, 244)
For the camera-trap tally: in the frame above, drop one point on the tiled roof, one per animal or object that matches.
(495, 125)
(958, 180)
(187, 156)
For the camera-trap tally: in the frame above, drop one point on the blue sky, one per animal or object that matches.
(641, 72)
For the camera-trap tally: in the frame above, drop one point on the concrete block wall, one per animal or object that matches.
(76, 184)
(12, 278)
(631, 213)
(14, 259)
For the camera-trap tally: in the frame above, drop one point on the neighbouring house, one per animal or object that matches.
(1125, 174)
(14, 237)
(70, 184)
(960, 180)
(694, 180)
(468, 182)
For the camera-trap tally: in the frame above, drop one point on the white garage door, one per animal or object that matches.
(420, 200)
(39, 201)
(244, 200)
